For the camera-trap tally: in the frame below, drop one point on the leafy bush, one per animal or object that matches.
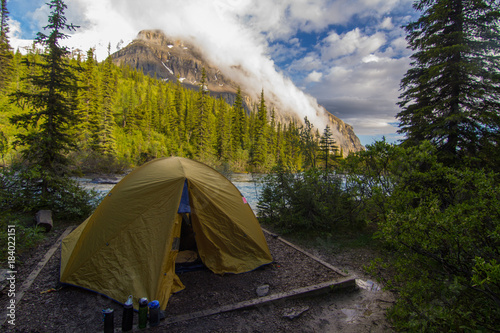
(87, 161)
(314, 200)
(26, 237)
(370, 177)
(22, 190)
(443, 225)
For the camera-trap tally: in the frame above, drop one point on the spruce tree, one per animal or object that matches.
(309, 144)
(107, 141)
(5, 49)
(238, 122)
(451, 95)
(48, 123)
(202, 123)
(224, 137)
(327, 146)
(89, 102)
(260, 143)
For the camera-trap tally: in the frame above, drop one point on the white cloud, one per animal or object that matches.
(307, 63)
(354, 44)
(370, 58)
(387, 24)
(314, 77)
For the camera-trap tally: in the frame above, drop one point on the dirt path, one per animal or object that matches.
(72, 309)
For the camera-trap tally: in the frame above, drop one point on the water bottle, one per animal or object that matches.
(128, 315)
(109, 325)
(143, 312)
(154, 313)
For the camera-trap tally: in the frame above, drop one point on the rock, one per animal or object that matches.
(351, 314)
(105, 180)
(292, 313)
(263, 290)
(368, 285)
(43, 218)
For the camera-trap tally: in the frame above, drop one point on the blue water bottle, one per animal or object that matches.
(154, 313)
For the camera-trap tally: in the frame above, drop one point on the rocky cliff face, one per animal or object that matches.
(171, 59)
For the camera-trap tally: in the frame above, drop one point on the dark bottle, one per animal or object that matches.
(109, 325)
(128, 315)
(143, 312)
(154, 313)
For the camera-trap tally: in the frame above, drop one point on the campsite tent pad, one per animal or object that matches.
(128, 246)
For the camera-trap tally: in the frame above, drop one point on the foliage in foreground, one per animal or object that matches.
(439, 224)
(314, 200)
(21, 192)
(442, 226)
(26, 237)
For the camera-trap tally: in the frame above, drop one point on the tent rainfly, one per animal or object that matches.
(129, 245)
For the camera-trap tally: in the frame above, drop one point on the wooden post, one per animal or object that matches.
(44, 219)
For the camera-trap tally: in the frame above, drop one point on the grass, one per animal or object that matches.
(333, 242)
(27, 235)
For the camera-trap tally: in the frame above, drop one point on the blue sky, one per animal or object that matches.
(347, 55)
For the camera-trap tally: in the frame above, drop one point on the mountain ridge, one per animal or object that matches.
(171, 59)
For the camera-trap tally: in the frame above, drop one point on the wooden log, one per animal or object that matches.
(322, 262)
(43, 219)
(314, 290)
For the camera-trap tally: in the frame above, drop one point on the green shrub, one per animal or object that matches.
(23, 191)
(26, 237)
(314, 200)
(443, 225)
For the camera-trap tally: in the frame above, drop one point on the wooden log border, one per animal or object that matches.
(34, 273)
(345, 283)
(314, 290)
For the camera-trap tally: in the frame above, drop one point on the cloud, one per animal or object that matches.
(229, 40)
(365, 94)
(387, 24)
(314, 77)
(353, 44)
(355, 66)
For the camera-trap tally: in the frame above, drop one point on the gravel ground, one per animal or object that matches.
(71, 309)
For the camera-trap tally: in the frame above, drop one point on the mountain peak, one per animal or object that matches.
(171, 59)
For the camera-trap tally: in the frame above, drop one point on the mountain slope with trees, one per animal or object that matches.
(123, 118)
(171, 59)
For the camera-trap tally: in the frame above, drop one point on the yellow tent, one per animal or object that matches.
(128, 246)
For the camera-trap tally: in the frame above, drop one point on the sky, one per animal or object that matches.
(348, 56)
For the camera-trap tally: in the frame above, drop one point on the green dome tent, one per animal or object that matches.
(129, 245)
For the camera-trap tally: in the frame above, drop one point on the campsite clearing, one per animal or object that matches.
(46, 308)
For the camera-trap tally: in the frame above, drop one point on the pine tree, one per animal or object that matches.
(238, 122)
(452, 92)
(180, 111)
(107, 141)
(260, 142)
(309, 143)
(5, 49)
(50, 118)
(203, 114)
(273, 135)
(224, 138)
(89, 101)
(327, 146)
